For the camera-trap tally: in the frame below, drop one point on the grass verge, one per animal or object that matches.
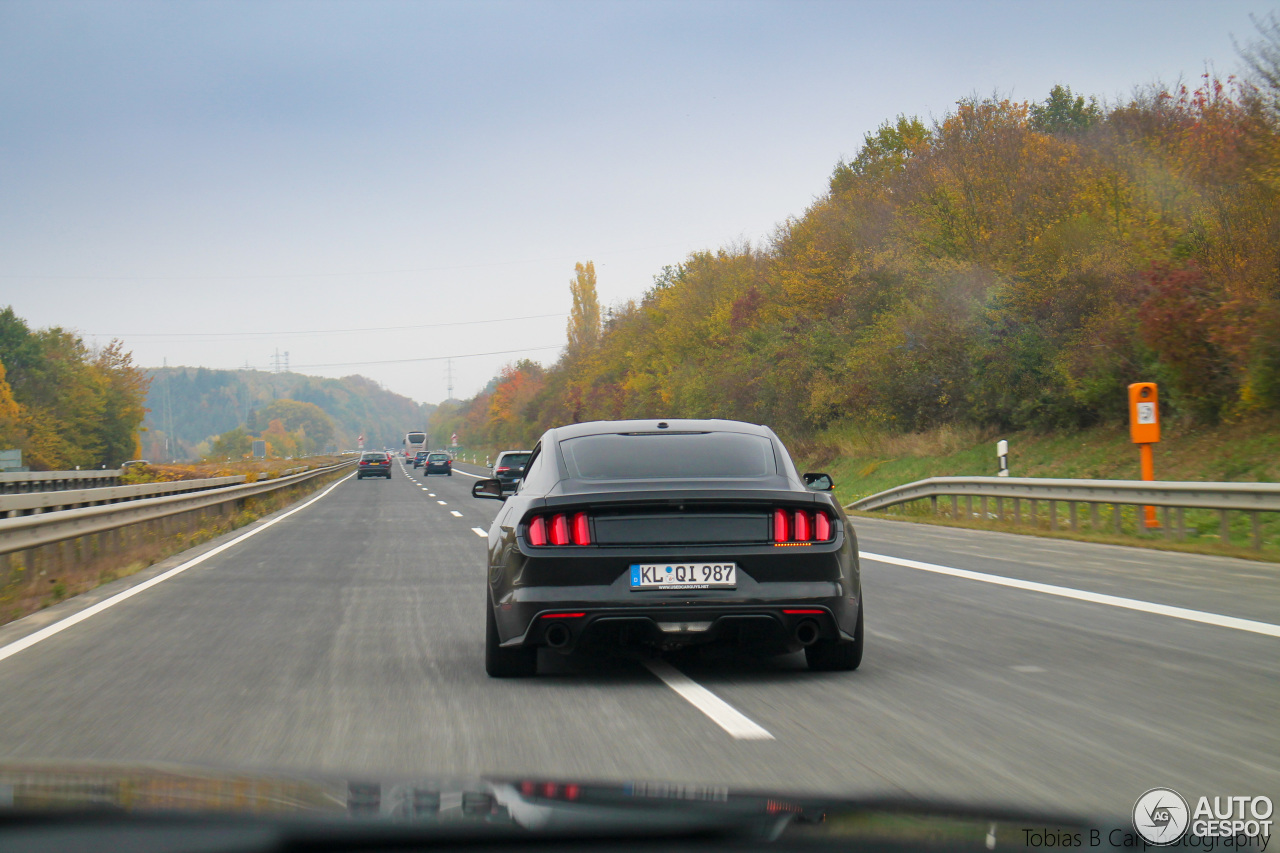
(864, 462)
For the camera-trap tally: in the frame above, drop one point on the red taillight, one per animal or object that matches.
(571, 791)
(559, 529)
(798, 527)
(781, 526)
(581, 530)
(502, 470)
(803, 527)
(538, 531)
(569, 615)
(804, 612)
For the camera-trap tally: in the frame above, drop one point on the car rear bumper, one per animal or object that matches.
(786, 622)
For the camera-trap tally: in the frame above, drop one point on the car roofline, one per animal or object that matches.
(651, 425)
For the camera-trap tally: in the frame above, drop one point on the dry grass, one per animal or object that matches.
(254, 469)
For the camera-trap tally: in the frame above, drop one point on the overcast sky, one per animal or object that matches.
(208, 180)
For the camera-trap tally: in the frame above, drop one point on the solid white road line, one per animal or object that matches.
(721, 712)
(455, 513)
(479, 532)
(477, 476)
(1200, 616)
(76, 618)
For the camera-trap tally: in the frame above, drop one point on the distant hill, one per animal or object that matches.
(193, 404)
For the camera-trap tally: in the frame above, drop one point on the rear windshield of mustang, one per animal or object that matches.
(669, 456)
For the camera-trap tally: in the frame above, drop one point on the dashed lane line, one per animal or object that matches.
(724, 715)
(455, 513)
(477, 531)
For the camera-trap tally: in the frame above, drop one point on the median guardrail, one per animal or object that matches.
(22, 482)
(25, 532)
(38, 502)
(1173, 498)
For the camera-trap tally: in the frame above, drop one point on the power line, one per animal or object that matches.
(317, 331)
(427, 358)
(259, 276)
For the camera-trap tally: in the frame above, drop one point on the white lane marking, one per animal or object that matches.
(443, 503)
(477, 531)
(455, 513)
(431, 494)
(477, 476)
(721, 712)
(1201, 616)
(76, 618)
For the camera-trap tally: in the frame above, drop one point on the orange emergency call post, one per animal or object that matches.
(1144, 429)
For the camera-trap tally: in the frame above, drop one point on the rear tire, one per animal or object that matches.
(837, 655)
(519, 662)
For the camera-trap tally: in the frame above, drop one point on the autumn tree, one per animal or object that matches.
(124, 388)
(11, 433)
(76, 408)
(584, 316)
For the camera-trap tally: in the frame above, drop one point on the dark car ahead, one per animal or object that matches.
(374, 463)
(666, 534)
(509, 467)
(437, 463)
(419, 457)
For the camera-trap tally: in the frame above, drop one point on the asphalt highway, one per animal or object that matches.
(348, 637)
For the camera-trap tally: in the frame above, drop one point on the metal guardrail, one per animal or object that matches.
(33, 531)
(36, 502)
(1251, 498)
(22, 482)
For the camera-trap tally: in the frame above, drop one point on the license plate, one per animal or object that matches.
(684, 576)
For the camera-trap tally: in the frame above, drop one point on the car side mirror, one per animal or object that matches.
(819, 482)
(491, 489)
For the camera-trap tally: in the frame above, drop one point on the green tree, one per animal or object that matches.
(1065, 112)
(1262, 58)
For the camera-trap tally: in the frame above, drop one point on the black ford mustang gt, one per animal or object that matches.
(667, 534)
